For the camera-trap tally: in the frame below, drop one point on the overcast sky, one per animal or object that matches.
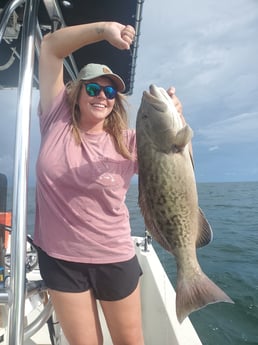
(208, 50)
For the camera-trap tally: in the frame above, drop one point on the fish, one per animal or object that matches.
(168, 198)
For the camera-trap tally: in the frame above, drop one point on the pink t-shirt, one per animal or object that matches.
(81, 214)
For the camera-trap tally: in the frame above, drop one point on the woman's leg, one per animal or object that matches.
(78, 316)
(123, 318)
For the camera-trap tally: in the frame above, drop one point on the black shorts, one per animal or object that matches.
(109, 282)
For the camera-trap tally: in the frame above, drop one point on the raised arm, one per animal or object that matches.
(56, 46)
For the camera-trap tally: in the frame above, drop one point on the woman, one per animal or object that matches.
(87, 158)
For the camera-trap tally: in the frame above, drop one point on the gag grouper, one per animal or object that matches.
(168, 198)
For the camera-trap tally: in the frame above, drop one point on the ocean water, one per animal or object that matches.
(231, 260)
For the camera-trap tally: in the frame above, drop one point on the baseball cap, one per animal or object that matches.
(93, 70)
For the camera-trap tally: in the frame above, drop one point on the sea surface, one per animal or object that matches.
(231, 260)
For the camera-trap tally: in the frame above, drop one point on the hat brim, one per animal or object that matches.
(120, 85)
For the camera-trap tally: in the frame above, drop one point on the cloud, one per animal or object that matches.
(208, 53)
(213, 148)
(240, 129)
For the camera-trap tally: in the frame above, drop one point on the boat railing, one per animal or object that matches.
(134, 50)
(15, 293)
(35, 289)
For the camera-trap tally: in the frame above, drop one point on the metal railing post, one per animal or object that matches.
(18, 240)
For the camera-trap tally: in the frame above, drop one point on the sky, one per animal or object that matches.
(208, 50)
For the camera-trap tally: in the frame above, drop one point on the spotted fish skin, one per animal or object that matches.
(168, 197)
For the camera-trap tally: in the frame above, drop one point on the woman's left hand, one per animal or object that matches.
(172, 93)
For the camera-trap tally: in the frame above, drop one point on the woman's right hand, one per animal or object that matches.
(119, 35)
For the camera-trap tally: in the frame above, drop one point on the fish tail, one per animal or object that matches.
(196, 293)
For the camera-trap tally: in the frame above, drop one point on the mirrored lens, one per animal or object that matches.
(94, 89)
(110, 92)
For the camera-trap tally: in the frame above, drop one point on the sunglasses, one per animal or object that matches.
(94, 89)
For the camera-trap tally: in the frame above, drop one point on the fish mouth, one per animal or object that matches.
(156, 98)
(154, 90)
(159, 92)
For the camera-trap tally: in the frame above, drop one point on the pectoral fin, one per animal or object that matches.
(183, 136)
(205, 231)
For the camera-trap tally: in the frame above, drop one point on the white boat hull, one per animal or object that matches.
(160, 324)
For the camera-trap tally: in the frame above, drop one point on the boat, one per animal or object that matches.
(160, 324)
(26, 314)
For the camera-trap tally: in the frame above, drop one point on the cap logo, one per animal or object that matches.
(106, 70)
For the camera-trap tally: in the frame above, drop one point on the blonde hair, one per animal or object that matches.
(115, 123)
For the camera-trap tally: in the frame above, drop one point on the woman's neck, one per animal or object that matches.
(91, 128)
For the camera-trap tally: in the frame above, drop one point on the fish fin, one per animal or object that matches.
(196, 294)
(191, 157)
(183, 137)
(205, 231)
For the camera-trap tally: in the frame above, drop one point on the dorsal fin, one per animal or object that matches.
(205, 231)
